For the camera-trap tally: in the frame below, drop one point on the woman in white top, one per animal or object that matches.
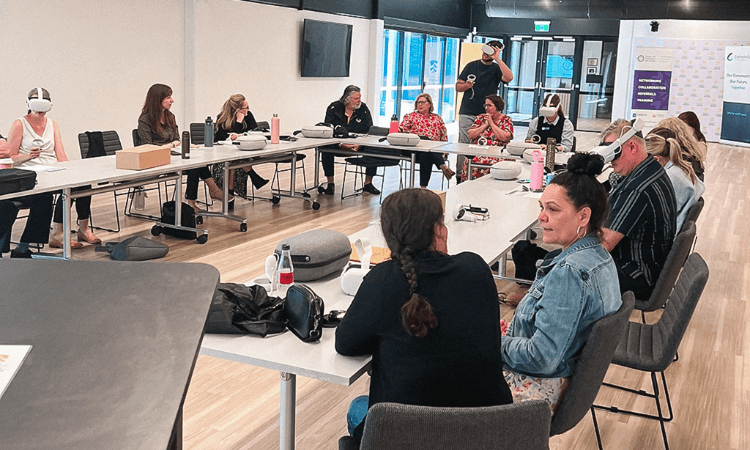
(663, 145)
(35, 139)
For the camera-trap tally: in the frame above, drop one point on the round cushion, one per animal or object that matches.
(505, 170)
(252, 142)
(403, 139)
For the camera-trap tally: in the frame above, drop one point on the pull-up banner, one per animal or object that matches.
(735, 119)
(652, 79)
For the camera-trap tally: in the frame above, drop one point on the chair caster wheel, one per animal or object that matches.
(243, 227)
(199, 220)
(316, 206)
(275, 199)
(156, 230)
(202, 239)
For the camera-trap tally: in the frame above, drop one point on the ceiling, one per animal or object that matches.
(618, 9)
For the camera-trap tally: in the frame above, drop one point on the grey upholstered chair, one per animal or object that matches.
(111, 143)
(675, 259)
(692, 215)
(392, 426)
(590, 370)
(651, 348)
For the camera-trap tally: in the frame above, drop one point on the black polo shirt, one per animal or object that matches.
(489, 77)
(643, 209)
(360, 122)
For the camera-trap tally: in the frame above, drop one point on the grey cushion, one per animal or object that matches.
(317, 253)
(519, 426)
(595, 358)
(652, 347)
(672, 266)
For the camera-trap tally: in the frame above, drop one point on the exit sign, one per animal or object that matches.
(541, 27)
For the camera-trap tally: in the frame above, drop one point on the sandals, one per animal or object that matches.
(55, 243)
(218, 194)
(88, 237)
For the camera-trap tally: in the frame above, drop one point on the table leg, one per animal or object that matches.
(178, 200)
(67, 202)
(286, 418)
(413, 169)
(293, 183)
(317, 168)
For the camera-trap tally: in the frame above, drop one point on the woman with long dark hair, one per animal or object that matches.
(429, 319)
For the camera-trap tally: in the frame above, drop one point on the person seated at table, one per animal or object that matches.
(423, 122)
(491, 128)
(40, 211)
(353, 114)
(574, 287)
(36, 130)
(692, 151)
(661, 143)
(553, 125)
(157, 125)
(234, 119)
(430, 320)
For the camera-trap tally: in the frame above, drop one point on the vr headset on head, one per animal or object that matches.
(612, 151)
(547, 110)
(39, 104)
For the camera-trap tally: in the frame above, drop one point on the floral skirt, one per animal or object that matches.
(240, 179)
(524, 387)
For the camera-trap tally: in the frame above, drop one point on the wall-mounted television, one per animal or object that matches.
(326, 49)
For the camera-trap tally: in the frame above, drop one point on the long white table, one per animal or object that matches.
(510, 216)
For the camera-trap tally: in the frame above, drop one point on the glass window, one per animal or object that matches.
(411, 82)
(450, 74)
(433, 69)
(390, 80)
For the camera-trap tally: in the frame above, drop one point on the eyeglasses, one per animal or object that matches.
(422, 102)
(488, 105)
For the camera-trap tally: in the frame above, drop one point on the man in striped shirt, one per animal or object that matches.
(643, 212)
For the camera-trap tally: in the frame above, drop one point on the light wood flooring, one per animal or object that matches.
(235, 406)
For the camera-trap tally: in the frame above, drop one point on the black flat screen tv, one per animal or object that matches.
(326, 49)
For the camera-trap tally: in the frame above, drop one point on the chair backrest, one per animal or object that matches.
(136, 138)
(111, 142)
(378, 131)
(197, 133)
(595, 358)
(672, 266)
(262, 126)
(520, 426)
(693, 213)
(653, 347)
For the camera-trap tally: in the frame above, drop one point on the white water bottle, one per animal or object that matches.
(285, 272)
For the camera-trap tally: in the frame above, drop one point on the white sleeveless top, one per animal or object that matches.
(48, 143)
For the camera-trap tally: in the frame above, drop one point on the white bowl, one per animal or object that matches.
(403, 139)
(252, 142)
(317, 131)
(505, 170)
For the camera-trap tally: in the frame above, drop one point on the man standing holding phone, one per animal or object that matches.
(478, 79)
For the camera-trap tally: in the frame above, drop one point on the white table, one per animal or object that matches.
(510, 216)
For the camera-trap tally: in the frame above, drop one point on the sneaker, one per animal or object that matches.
(17, 254)
(328, 190)
(369, 188)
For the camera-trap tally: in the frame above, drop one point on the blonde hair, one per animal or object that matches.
(662, 142)
(427, 97)
(686, 138)
(228, 115)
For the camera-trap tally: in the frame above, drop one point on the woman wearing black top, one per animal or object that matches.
(157, 125)
(234, 119)
(430, 320)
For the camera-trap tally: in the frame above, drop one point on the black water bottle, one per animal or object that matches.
(208, 133)
(185, 145)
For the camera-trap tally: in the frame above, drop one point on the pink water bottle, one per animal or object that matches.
(537, 172)
(275, 129)
(394, 124)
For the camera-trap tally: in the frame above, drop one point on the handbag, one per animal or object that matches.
(187, 219)
(134, 249)
(239, 309)
(304, 313)
(16, 180)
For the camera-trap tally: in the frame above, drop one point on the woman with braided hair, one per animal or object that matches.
(429, 319)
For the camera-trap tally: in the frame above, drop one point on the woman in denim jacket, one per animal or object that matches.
(574, 287)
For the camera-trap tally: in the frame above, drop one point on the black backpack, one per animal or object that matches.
(187, 219)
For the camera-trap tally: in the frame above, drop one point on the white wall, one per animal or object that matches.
(693, 39)
(98, 59)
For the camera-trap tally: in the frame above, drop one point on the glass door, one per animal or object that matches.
(558, 75)
(521, 92)
(598, 62)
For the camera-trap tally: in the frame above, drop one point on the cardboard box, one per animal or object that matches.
(441, 194)
(143, 157)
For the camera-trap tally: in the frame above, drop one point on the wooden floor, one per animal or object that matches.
(236, 406)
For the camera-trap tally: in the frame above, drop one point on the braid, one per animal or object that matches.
(417, 315)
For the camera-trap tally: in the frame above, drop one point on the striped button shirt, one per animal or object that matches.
(643, 209)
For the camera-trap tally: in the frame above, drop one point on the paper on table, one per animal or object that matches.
(43, 168)
(11, 358)
(379, 254)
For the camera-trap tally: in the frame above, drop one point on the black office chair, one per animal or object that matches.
(133, 192)
(360, 163)
(111, 144)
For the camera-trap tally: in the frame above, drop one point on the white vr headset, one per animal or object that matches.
(470, 213)
(547, 110)
(489, 50)
(612, 151)
(39, 104)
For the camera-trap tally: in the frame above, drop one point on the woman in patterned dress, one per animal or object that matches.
(491, 128)
(425, 123)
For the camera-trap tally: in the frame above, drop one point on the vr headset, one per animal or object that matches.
(470, 213)
(39, 104)
(489, 50)
(547, 110)
(612, 151)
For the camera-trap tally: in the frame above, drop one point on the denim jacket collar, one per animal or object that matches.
(553, 257)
